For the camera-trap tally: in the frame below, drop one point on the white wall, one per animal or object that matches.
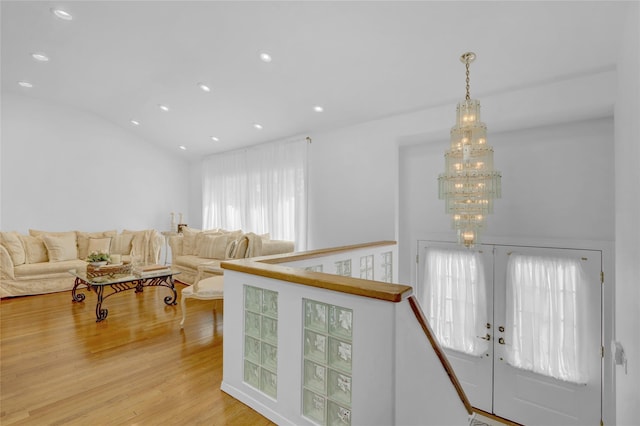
(627, 230)
(354, 171)
(557, 183)
(66, 169)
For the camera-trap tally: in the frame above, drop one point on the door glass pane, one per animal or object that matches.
(544, 322)
(454, 299)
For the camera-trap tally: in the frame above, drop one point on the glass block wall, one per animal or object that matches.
(343, 267)
(261, 339)
(387, 266)
(366, 267)
(327, 350)
(315, 268)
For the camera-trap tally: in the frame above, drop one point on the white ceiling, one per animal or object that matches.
(359, 60)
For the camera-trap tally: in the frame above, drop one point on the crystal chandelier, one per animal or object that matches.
(469, 183)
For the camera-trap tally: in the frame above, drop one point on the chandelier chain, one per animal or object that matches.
(467, 67)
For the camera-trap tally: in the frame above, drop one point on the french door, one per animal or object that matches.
(539, 326)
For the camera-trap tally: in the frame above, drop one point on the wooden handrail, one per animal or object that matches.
(310, 254)
(422, 320)
(268, 266)
(356, 286)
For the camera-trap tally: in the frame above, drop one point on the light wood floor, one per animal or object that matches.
(58, 366)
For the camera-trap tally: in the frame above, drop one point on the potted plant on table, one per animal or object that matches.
(98, 258)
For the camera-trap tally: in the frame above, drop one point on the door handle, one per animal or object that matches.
(501, 341)
(487, 337)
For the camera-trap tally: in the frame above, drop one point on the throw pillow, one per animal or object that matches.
(100, 245)
(200, 240)
(11, 241)
(83, 241)
(60, 248)
(213, 246)
(189, 240)
(121, 244)
(231, 248)
(241, 248)
(34, 249)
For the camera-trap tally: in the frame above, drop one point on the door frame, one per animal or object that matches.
(608, 295)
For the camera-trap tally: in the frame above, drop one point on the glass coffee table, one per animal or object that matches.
(120, 283)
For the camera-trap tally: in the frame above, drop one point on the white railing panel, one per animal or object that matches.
(328, 263)
(372, 354)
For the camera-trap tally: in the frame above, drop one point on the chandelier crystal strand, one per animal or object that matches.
(469, 183)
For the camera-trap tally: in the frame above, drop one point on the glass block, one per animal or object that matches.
(315, 377)
(340, 354)
(343, 267)
(387, 266)
(270, 303)
(315, 346)
(316, 268)
(252, 374)
(270, 330)
(252, 349)
(269, 357)
(315, 315)
(252, 324)
(269, 383)
(366, 267)
(340, 322)
(338, 415)
(339, 388)
(313, 406)
(252, 298)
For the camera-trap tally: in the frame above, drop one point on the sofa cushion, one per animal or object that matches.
(100, 245)
(192, 262)
(240, 249)
(35, 270)
(212, 246)
(83, 241)
(37, 233)
(121, 244)
(34, 248)
(12, 242)
(189, 244)
(61, 247)
(276, 247)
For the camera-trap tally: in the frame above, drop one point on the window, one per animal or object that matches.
(261, 190)
(544, 325)
(454, 299)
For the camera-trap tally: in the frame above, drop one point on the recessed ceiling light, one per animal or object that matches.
(163, 107)
(25, 84)
(182, 147)
(257, 126)
(213, 138)
(135, 122)
(265, 57)
(204, 87)
(318, 108)
(38, 56)
(62, 14)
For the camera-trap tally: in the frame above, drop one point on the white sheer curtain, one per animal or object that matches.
(544, 325)
(262, 189)
(455, 300)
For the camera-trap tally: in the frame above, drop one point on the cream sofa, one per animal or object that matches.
(38, 263)
(197, 254)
